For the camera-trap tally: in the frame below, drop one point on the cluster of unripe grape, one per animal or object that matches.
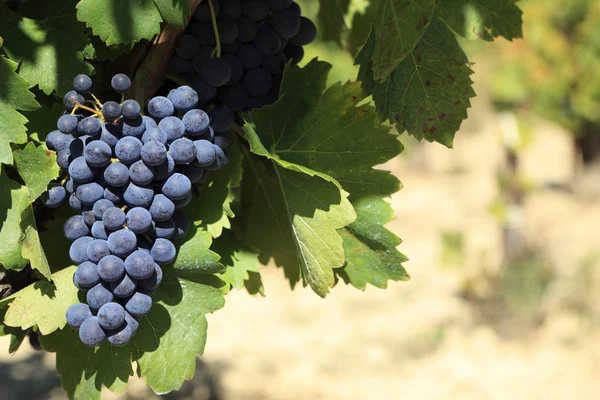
(241, 65)
(126, 175)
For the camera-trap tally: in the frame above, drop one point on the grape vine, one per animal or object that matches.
(211, 145)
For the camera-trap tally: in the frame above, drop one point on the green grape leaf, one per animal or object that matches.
(49, 50)
(31, 247)
(254, 284)
(120, 22)
(398, 27)
(42, 121)
(429, 93)
(482, 19)
(16, 335)
(174, 12)
(194, 253)
(298, 212)
(84, 370)
(174, 332)
(371, 255)
(43, 304)
(14, 96)
(331, 19)
(14, 200)
(361, 27)
(239, 260)
(37, 166)
(212, 210)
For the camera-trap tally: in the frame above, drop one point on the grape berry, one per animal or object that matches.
(127, 176)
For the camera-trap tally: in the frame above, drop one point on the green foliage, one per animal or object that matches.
(302, 186)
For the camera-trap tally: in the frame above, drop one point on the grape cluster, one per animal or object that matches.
(127, 176)
(256, 39)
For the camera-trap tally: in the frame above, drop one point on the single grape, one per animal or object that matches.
(157, 134)
(187, 46)
(71, 99)
(154, 153)
(131, 322)
(111, 268)
(98, 296)
(97, 250)
(204, 33)
(139, 304)
(204, 54)
(113, 218)
(90, 332)
(164, 170)
(223, 140)
(193, 172)
(131, 109)
(220, 160)
(123, 287)
(205, 91)
(249, 56)
(89, 126)
(140, 173)
(82, 83)
(278, 5)
(63, 158)
(296, 7)
(139, 220)
(54, 197)
(113, 194)
(150, 123)
(75, 228)
(74, 202)
(122, 242)
(120, 83)
(97, 153)
(228, 31)
(184, 98)
(203, 13)
(247, 29)
(139, 265)
(78, 313)
(67, 123)
(183, 224)
(163, 251)
(133, 127)
(111, 316)
(216, 71)
(257, 82)
(80, 171)
(89, 193)
(111, 110)
(274, 64)
(160, 107)
(111, 133)
(138, 195)
(221, 118)
(173, 126)
(231, 8)
(78, 249)
(205, 153)
(237, 69)
(195, 122)
(128, 150)
(267, 42)
(165, 229)
(99, 230)
(256, 9)
(286, 23)
(116, 174)
(86, 275)
(236, 97)
(153, 281)
(162, 208)
(307, 33)
(294, 53)
(57, 141)
(120, 337)
(177, 186)
(100, 208)
(181, 203)
(88, 218)
(182, 150)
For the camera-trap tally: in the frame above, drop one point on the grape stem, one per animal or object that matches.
(79, 105)
(213, 17)
(98, 103)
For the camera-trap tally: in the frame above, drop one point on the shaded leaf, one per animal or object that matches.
(331, 19)
(238, 260)
(194, 254)
(429, 93)
(371, 255)
(42, 121)
(43, 304)
(482, 19)
(37, 166)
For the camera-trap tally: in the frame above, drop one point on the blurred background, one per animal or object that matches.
(504, 246)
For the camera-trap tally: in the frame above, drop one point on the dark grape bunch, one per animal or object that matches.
(242, 66)
(126, 175)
